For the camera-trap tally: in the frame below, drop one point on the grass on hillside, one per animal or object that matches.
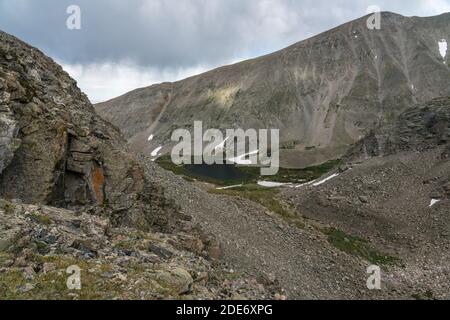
(267, 197)
(359, 247)
(94, 286)
(250, 175)
(250, 190)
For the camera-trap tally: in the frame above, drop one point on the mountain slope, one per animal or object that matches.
(324, 93)
(397, 194)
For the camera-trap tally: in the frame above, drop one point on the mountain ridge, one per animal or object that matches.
(268, 54)
(324, 93)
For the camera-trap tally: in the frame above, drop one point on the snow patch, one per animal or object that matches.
(241, 159)
(156, 151)
(443, 48)
(326, 179)
(434, 201)
(221, 145)
(272, 184)
(305, 184)
(230, 187)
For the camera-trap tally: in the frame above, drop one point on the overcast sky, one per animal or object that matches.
(125, 44)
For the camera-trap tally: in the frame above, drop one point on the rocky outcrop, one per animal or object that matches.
(420, 128)
(54, 149)
(39, 243)
(324, 93)
(396, 195)
(71, 195)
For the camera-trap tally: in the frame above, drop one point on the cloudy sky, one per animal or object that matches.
(125, 44)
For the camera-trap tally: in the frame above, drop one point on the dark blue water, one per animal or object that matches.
(217, 172)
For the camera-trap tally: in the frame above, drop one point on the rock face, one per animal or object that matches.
(8, 141)
(421, 128)
(54, 149)
(324, 93)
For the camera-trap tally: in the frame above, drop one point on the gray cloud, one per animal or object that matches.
(128, 43)
(174, 33)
